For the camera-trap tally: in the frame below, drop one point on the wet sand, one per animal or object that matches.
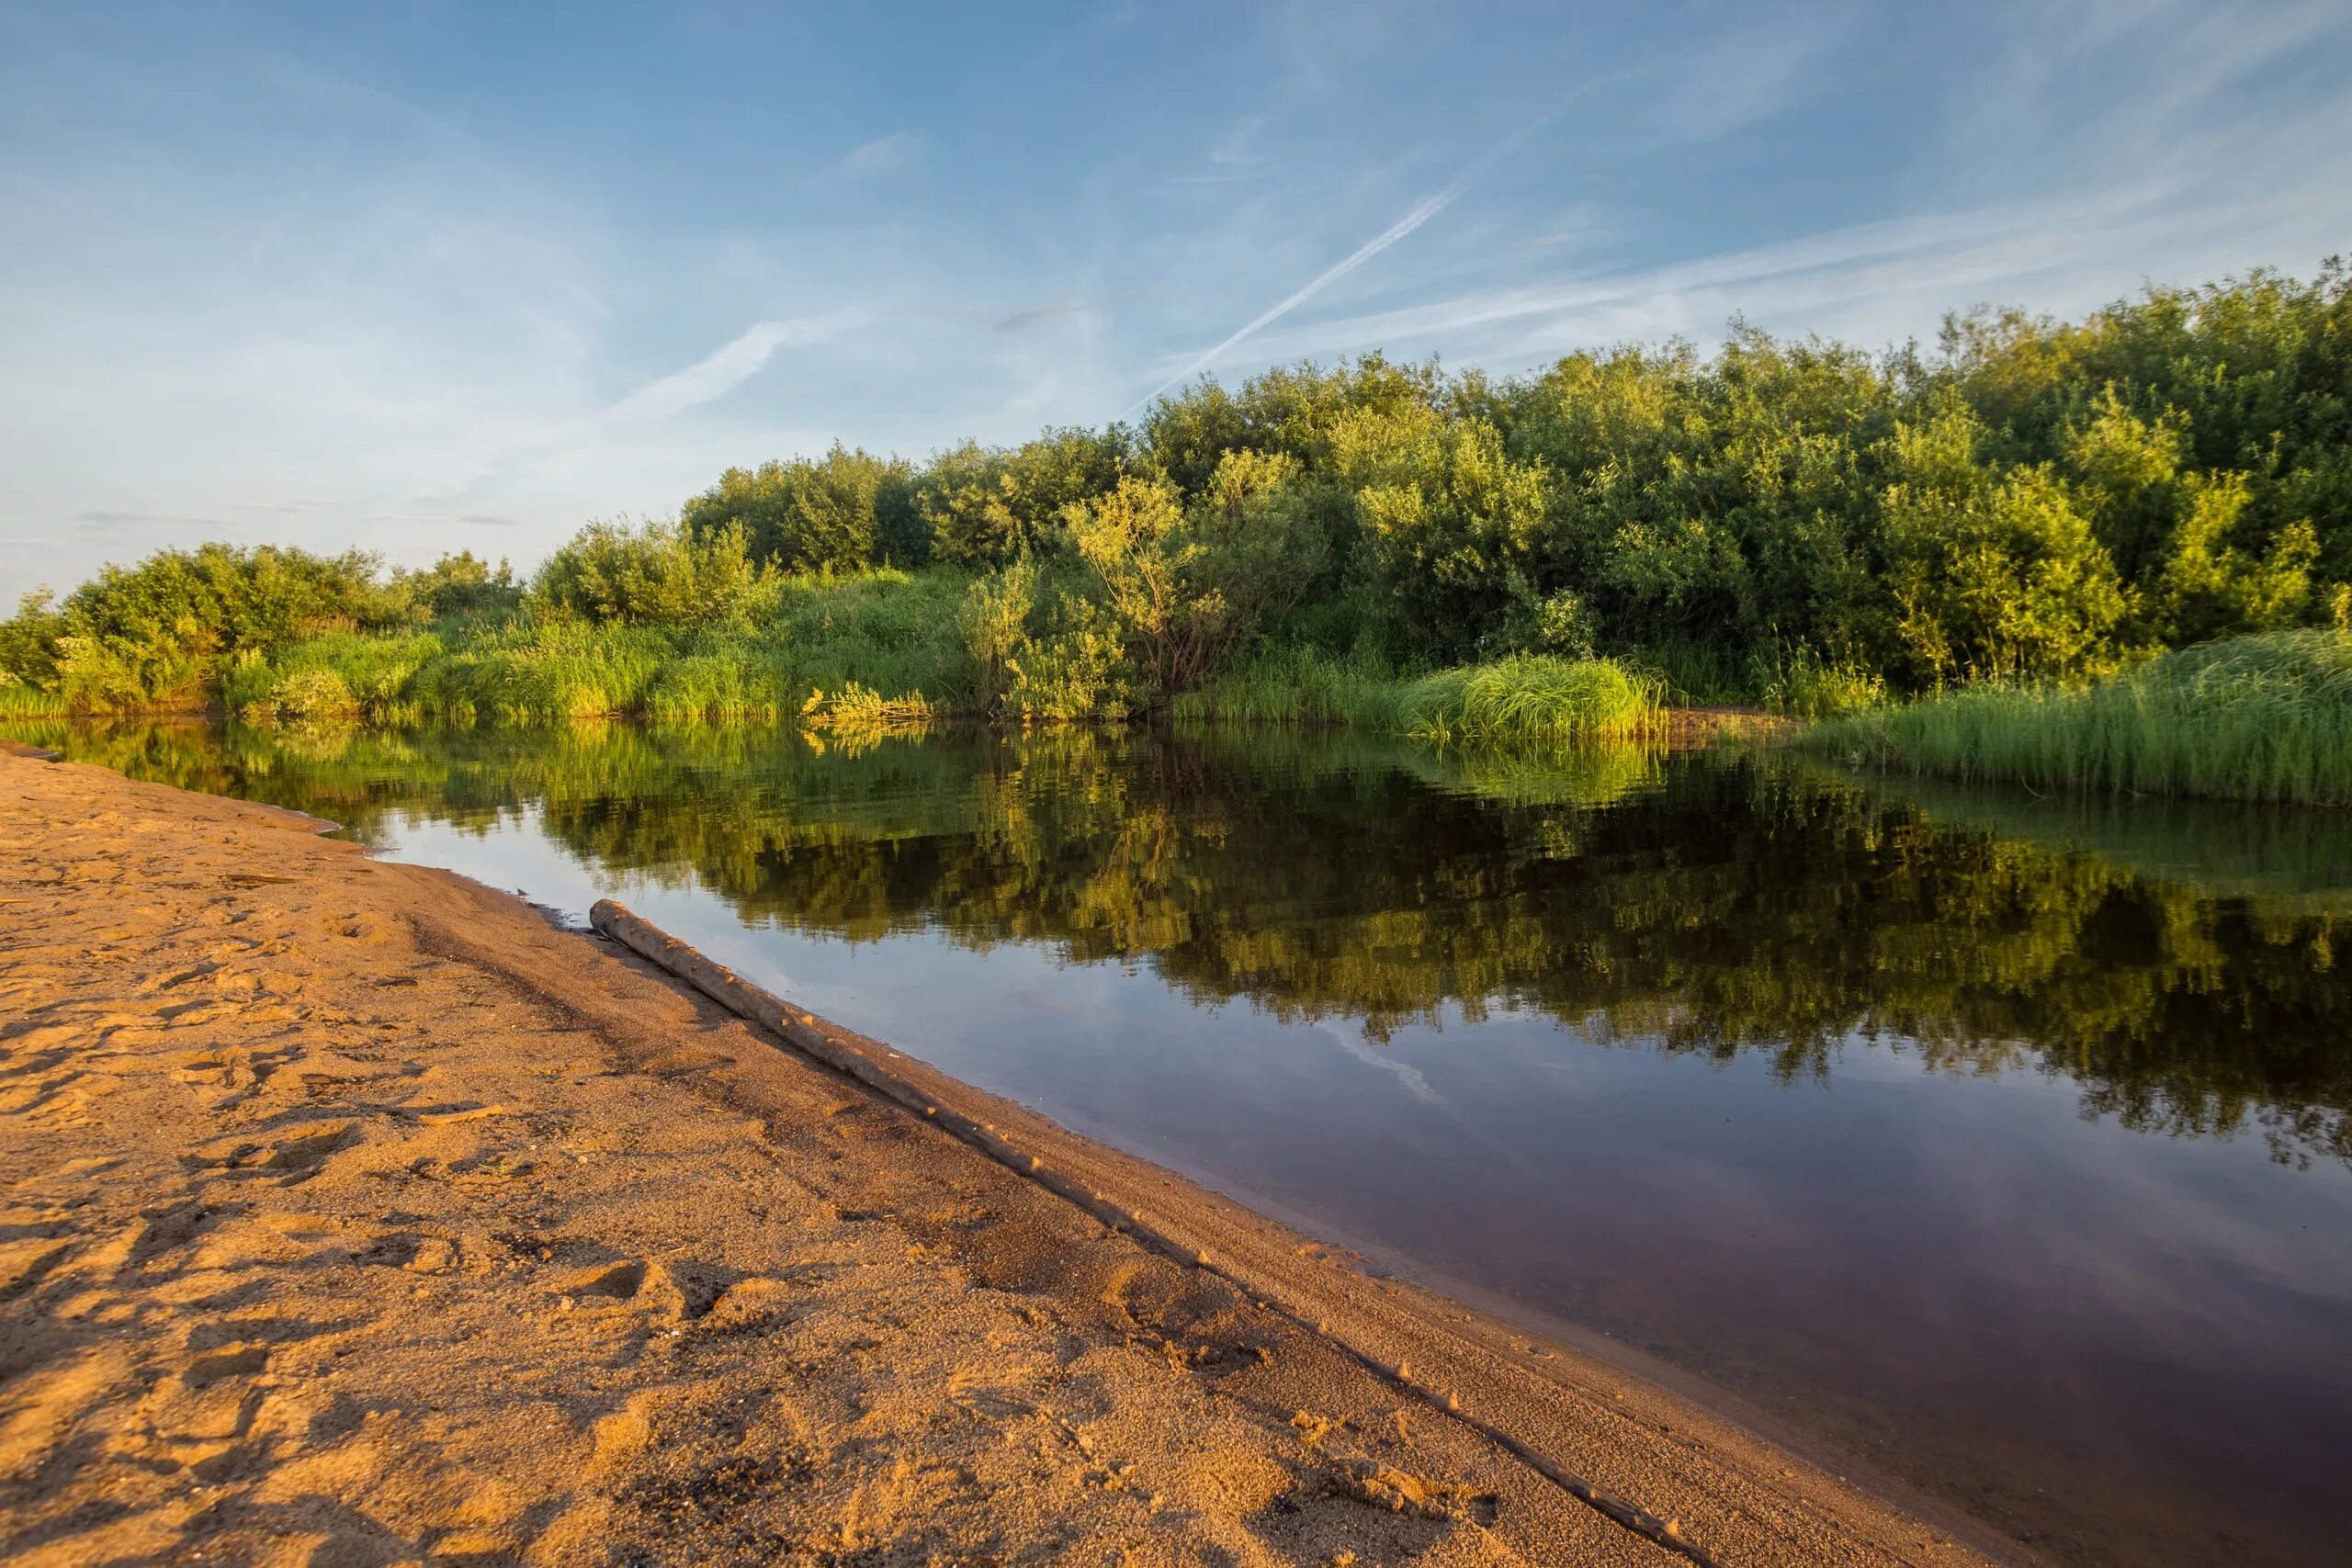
(353, 1212)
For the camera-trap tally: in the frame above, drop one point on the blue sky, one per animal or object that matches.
(418, 277)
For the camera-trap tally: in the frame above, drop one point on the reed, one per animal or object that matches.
(2265, 718)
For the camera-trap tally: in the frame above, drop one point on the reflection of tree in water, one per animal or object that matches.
(1717, 907)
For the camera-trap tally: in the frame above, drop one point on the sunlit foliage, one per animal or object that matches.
(1802, 522)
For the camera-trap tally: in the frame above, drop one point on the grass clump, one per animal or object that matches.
(2265, 718)
(351, 674)
(1532, 700)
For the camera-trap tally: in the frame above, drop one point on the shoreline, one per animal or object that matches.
(1309, 1426)
(1453, 1305)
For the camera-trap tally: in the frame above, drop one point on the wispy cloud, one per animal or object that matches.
(1894, 277)
(895, 150)
(1429, 207)
(1416, 1083)
(727, 369)
(1950, 247)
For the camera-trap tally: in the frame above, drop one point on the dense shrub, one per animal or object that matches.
(162, 633)
(657, 573)
(829, 513)
(459, 585)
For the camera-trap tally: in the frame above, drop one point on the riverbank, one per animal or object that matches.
(355, 1205)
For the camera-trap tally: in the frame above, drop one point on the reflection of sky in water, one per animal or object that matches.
(2074, 1328)
(2022, 1300)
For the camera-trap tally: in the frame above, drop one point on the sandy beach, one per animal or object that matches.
(357, 1213)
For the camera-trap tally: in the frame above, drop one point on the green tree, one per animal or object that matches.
(1264, 529)
(2178, 535)
(2207, 588)
(1135, 541)
(1452, 522)
(161, 633)
(809, 514)
(1990, 575)
(986, 508)
(28, 641)
(994, 620)
(460, 584)
(659, 573)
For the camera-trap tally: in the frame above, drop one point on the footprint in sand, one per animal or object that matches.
(234, 1066)
(681, 1291)
(163, 1227)
(998, 1392)
(242, 1360)
(295, 1153)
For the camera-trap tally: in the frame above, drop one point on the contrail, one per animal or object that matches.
(1363, 254)
(728, 367)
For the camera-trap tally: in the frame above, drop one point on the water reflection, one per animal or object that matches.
(1995, 1145)
(2177, 965)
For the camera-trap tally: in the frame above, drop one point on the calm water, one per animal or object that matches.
(1996, 1146)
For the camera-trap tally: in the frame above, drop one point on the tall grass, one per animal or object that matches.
(1804, 685)
(1300, 686)
(1533, 700)
(2264, 717)
(889, 631)
(29, 702)
(1692, 673)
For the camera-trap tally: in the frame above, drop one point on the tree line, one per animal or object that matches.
(2025, 498)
